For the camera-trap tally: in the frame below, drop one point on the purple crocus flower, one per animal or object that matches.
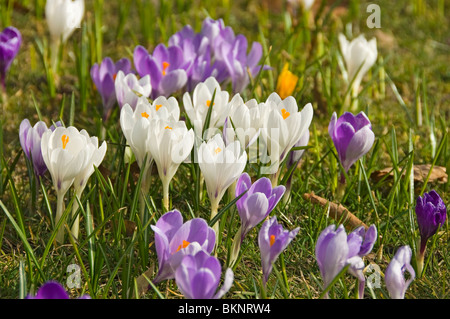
(352, 136)
(10, 41)
(174, 240)
(104, 76)
(30, 140)
(431, 214)
(53, 290)
(166, 67)
(272, 240)
(394, 274)
(335, 250)
(257, 203)
(198, 277)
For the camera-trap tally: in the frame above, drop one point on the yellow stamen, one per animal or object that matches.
(65, 140)
(158, 106)
(144, 114)
(285, 113)
(272, 240)
(183, 245)
(208, 103)
(168, 127)
(165, 66)
(114, 77)
(218, 150)
(286, 82)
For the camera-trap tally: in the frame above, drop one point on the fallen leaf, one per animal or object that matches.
(142, 282)
(438, 174)
(337, 211)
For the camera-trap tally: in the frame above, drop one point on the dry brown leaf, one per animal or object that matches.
(142, 281)
(438, 174)
(337, 212)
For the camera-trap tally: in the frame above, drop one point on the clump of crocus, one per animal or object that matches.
(431, 214)
(53, 290)
(67, 153)
(63, 17)
(104, 76)
(166, 67)
(221, 165)
(254, 206)
(10, 41)
(30, 140)
(394, 275)
(217, 51)
(335, 250)
(198, 277)
(352, 137)
(273, 240)
(359, 56)
(286, 82)
(175, 239)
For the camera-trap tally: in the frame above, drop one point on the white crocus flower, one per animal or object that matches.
(248, 119)
(82, 178)
(63, 17)
(136, 129)
(285, 125)
(126, 87)
(359, 56)
(166, 108)
(67, 153)
(197, 107)
(170, 144)
(221, 165)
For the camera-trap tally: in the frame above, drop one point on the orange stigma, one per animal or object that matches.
(208, 103)
(158, 106)
(165, 66)
(285, 113)
(218, 150)
(272, 240)
(144, 114)
(167, 127)
(183, 245)
(65, 140)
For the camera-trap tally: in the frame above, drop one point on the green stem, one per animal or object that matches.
(59, 212)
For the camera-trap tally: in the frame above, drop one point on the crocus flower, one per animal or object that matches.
(284, 126)
(272, 240)
(82, 178)
(248, 118)
(352, 136)
(197, 107)
(286, 82)
(53, 290)
(394, 275)
(104, 76)
(127, 88)
(220, 165)
(198, 277)
(170, 144)
(135, 126)
(30, 140)
(335, 250)
(254, 206)
(257, 203)
(66, 153)
(165, 66)
(431, 214)
(10, 41)
(63, 17)
(359, 56)
(174, 240)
